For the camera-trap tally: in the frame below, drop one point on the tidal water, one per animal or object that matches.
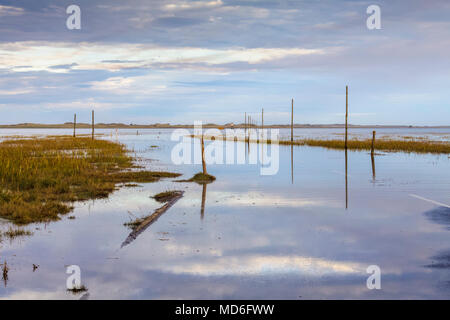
(308, 232)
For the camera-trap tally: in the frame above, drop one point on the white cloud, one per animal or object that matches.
(14, 92)
(44, 56)
(114, 83)
(258, 265)
(143, 85)
(81, 104)
(267, 199)
(11, 11)
(185, 5)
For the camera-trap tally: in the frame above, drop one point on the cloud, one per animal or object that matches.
(64, 66)
(41, 56)
(267, 199)
(175, 22)
(259, 265)
(11, 11)
(81, 104)
(192, 5)
(15, 92)
(240, 54)
(144, 85)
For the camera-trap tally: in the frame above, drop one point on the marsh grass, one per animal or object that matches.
(77, 290)
(388, 145)
(12, 233)
(200, 178)
(408, 144)
(134, 223)
(166, 196)
(40, 177)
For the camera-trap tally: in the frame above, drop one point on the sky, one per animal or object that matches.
(160, 61)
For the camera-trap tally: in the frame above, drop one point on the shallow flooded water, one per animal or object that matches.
(308, 232)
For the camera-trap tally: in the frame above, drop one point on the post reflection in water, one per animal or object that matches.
(292, 164)
(346, 179)
(202, 210)
(373, 167)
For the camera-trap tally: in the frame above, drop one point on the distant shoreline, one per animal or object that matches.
(209, 125)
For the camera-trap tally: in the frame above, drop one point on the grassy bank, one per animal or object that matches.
(39, 178)
(418, 146)
(387, 145)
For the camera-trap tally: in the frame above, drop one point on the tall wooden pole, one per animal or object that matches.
(248, 134)
(262, 118)
(346, 116)
(74, 123)
(203, 157)
(245, 125)
(292, 121)
(373, 142)
(92, 124)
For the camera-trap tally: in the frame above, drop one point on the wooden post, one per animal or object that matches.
(203, 157)
(92, 124)
(292, 121)
(262, 132)
(245, 125)
(373, 142)
(346, 116)
(262, 118)
(74, 123)
(248, 134)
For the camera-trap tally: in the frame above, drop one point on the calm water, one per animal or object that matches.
(264, 237)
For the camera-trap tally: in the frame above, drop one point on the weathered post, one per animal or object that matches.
(262, 131)
(262, 118)
(292, 121)
(373, 142)
(245, 125)
(346, 116)
(92, 124)
(245, 120)
(203, 157)
(74, 123)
